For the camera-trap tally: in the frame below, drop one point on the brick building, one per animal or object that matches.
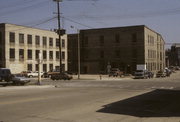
(121, 47)
(20, 47)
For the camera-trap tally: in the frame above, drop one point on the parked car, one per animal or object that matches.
(61, 76)
(34, 74)
(141, 74)
(160, 74)
(50, 73)
(115, 72)
(5, 74)
(19, 79)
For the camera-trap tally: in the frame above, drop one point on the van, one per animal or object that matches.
(141, 74)
(5, 74)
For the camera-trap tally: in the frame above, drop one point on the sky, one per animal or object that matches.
(162, 16)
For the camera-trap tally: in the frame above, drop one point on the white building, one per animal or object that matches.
(20, 47)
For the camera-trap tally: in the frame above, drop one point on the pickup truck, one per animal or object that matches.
(115, 72)
(33, 74)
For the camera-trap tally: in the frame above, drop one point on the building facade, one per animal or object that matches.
(174, 55)
(20, 47)
(121, 47)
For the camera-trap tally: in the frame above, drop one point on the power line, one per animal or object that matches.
(77, 22)
(22, 9)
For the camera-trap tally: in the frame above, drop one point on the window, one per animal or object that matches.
(117, 53)
(37, 67)
(101, 39)
(29, 67)
(12, 53)
(37, 54)
(57, 54)
(57, 42)
(51, 55)
(1, 38)
(63, 43)
(21, 38)
(21, 54)
(44, 55)
(50, 67)
(102, 54)
(50, 41)
(44, 67)
(29, 54)
(29, 39)
(86, 39)
(134, 53)
(37, 39)
(117, 38)
(12, 37)
(134, 37)
(44, 41)
(1, 55)
(63, 55)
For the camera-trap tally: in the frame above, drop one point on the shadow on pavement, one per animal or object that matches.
(158, 103)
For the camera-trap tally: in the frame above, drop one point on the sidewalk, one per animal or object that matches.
(98, 77)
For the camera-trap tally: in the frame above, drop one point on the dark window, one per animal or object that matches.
(102, 54)
(12, 37)
(63, 43)
(117, 53)
(101, 40)
(37, 67)
(134, 37)
(37, 54)
(134, 53)
(50, 67)
(50, 41)
(44, 41)
(1, 55)
(57, 42)
(117, 38)
(1, 38)
(44, 55)
(21, 54)
(37, 38)
(86, 39)
(12, 53)
(29, 39)
(29, 54)
(57, 54)
(29, 67)
(50, 54)
(44, 67)
(63, 55)
(21, 38)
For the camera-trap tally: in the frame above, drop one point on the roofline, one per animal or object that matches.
(26, 27)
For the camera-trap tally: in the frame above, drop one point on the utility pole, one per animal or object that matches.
(59, 34)
(79, 66)
(39, 69)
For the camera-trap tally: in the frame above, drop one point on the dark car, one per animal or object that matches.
(160, 74)
(115, 72)
(61, 76)
(5, 74)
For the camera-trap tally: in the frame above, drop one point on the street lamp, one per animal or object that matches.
(79, 62)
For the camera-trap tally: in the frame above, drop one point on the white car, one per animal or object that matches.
(34, 74)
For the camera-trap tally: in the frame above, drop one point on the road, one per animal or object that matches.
(124, 100)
